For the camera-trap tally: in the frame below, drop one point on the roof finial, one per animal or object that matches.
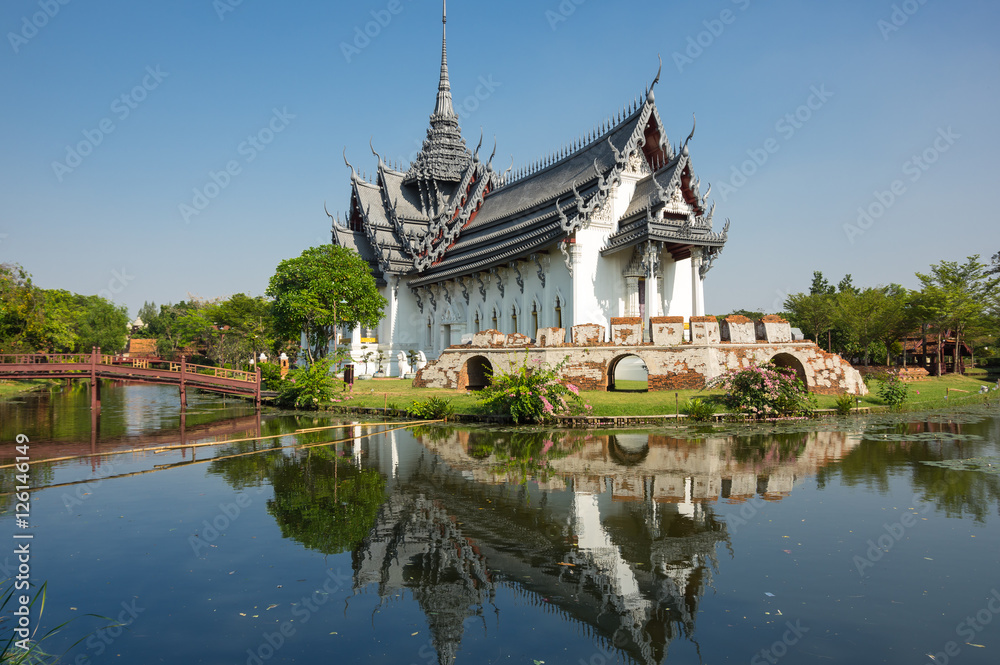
(444, 106)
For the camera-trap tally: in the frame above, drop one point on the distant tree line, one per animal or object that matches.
(308, 299)
(957, 300)
(33, 319)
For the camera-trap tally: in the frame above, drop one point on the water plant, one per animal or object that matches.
(698, 409)
(434, 408)
(844, 404)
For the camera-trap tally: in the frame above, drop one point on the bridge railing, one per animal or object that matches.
(44, 358)
(219, 372)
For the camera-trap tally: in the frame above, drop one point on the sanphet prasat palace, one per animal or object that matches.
(609, 234)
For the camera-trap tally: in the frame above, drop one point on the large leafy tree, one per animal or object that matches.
(961, 298)
(814, 313)
(321, 289)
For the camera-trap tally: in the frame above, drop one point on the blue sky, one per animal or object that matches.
(162, 95)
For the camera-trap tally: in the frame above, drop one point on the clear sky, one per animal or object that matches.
(116, 112)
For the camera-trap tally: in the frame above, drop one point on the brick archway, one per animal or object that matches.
(476, 374)
(613, 367)
(791, 362)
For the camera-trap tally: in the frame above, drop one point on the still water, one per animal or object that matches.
(842, 541)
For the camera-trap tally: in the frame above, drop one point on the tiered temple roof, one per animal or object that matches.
(451, 214)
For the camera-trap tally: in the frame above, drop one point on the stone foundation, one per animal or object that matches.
(672, 365)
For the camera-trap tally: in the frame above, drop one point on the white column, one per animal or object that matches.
(631, 296)
(697, 285)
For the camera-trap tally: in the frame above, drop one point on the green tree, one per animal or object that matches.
(964, 296)
(995, 265)
(819, 286)
(814, 313)
(102, 324)
(859, 314)
(22, 316)
(321, 289)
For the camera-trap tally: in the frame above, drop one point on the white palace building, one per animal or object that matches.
(613, 225)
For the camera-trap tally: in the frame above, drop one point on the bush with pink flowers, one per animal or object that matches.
(529, 391)
(765, 391)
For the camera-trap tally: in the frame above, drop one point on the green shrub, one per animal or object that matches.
(270, 375)
(764, 391)
(433, 409)
(699, 409)
(845, 403)
(529, 392)
(893, 390)
(308, 388)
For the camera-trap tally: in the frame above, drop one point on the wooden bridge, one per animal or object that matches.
(94, 366)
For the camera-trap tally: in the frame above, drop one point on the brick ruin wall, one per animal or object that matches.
(678, 366)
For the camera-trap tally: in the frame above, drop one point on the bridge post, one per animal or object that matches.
(95, 386)
(184, 401)
(257, 390)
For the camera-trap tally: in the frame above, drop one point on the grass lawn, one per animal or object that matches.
(401, 394)
(11, 388)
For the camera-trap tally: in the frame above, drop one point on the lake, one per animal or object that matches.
(857, 540)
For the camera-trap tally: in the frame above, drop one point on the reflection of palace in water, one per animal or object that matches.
(620, 541)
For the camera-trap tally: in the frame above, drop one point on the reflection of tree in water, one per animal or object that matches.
(890, 448)
(326, 503)
(768, 451)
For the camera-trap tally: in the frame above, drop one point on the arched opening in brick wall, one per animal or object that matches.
(475, 374)
(793, 363)
(628, 373)
(628, 449)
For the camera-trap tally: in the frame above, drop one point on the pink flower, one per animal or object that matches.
(548, 446)
(548, 405)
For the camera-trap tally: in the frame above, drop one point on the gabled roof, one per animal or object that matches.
(451, 215)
